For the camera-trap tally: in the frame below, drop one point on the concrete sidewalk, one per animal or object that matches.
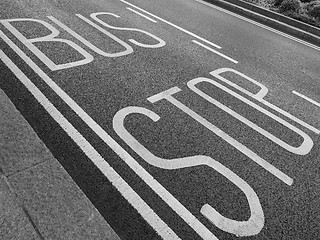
(38, 199)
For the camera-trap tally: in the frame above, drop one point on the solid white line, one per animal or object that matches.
(127, 192)
(306, 98)
(260, 25)
(146, 17)
(216, 52)
(173, 25)
(166, 196)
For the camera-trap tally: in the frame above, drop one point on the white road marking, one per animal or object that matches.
(167, 197)
(127, 47)
(306, 98)
(214, 51)
(260, 25)
(127, 192)
(173, 25)
(243, 149)
(29, 43)
(303, 149)
(142, 15)
(160, 43)
(250, 227)
(260, 95)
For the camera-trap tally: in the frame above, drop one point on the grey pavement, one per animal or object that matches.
(38, 199)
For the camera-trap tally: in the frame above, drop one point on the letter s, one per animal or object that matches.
(241, 228)
(160, 43)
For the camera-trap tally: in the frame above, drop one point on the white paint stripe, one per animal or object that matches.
(187, 216)
(173, 25)
(127, 192)
(216, 52)
(146, 17)
(306, 98)
(260, 25)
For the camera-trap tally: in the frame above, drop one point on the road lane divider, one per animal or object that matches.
(142, 207)
(167, 94)
(117, 181)
(214, 51)
(173, 25)
(142, 15)
(145, 211)
(307, 98)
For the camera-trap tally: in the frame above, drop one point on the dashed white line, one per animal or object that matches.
(306, 98)
(142, 15)
(214, 51)
(173, 25)
(260, 25)
(127, 192)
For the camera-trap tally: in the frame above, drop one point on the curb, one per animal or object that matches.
(38, 198)
(272, 19)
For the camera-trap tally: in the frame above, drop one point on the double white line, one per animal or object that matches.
(117, 181)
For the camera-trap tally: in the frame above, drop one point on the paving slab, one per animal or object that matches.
(20, 147)
(57, 206)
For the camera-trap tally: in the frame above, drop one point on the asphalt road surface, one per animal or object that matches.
(177, 119)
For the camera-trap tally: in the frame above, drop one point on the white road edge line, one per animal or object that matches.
(146, 17)
(260, 25)
(173, 25)
(214, 51)
(126, 191)
(306, 98)
(145, 211)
